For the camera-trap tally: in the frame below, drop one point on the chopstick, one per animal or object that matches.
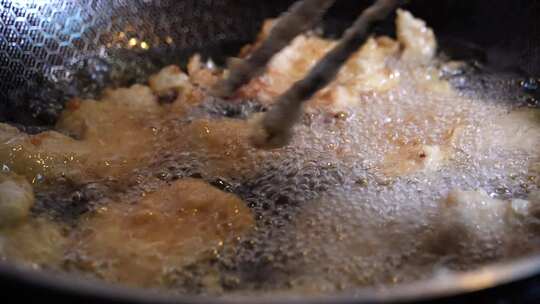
(300, 17)
(274, 128)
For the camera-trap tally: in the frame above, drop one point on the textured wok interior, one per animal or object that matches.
(53, 50)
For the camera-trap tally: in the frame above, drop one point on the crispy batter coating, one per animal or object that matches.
(175, 226)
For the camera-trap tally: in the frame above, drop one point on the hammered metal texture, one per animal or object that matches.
(44, 42)
(44, 37)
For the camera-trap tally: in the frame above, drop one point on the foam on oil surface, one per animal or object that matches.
(329, 220)
(332, 213)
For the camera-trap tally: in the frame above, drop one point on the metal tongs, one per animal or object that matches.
(274, 128)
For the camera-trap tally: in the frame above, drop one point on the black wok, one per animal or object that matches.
(53, 50)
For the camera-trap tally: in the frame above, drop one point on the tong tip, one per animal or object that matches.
(263, 136)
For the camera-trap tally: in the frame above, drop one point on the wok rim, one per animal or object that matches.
(438, 288)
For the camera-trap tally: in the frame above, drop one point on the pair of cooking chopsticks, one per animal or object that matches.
(274, 129)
